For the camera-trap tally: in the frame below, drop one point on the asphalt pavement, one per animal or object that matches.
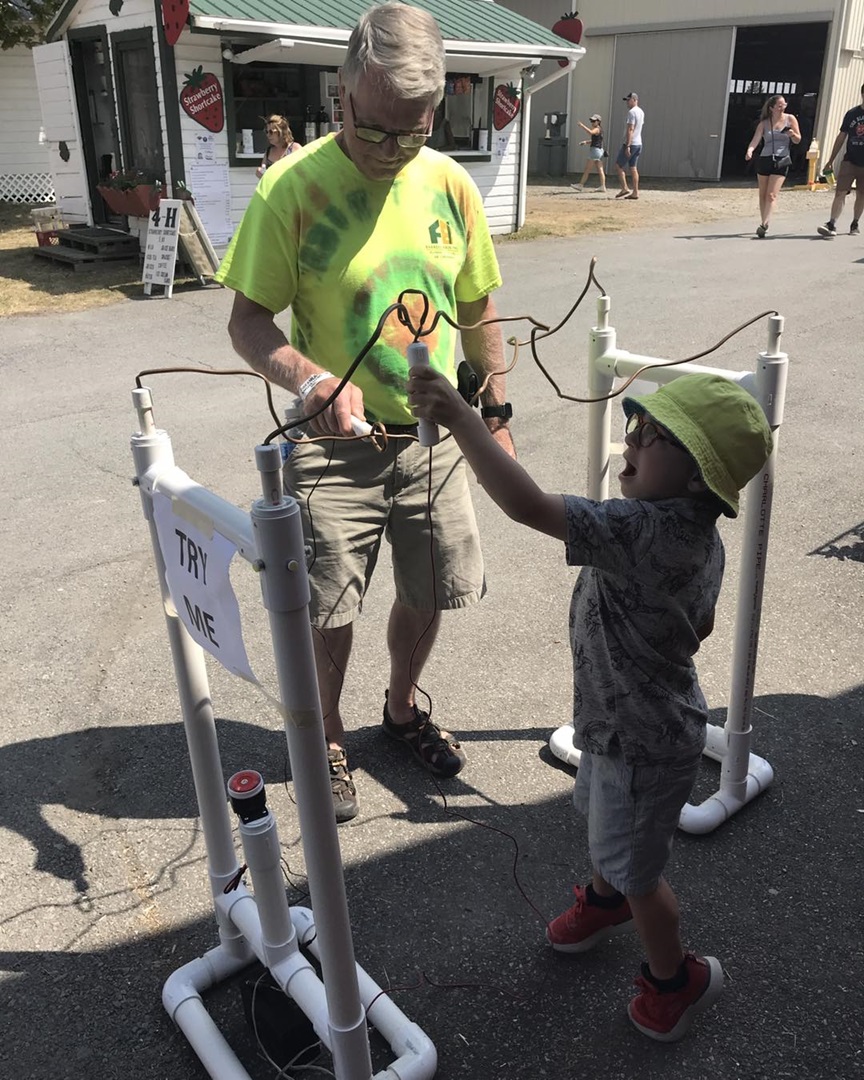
(103, 860)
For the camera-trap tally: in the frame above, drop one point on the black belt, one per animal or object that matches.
(393, 429)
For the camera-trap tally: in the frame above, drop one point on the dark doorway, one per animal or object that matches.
(91, 75)
(138, 103)
(770, 60)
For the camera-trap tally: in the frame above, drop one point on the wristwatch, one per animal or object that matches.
(489, 412)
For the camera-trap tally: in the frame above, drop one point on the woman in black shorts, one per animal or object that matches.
(776, 129)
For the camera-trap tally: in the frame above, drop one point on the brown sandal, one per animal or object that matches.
(341, 786)
(436, 750)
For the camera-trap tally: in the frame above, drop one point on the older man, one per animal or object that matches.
(337, 232)
(629, 153)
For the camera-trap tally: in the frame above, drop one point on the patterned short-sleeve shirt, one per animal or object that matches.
(651, 574)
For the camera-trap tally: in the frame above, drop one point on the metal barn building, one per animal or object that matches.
(702, 69)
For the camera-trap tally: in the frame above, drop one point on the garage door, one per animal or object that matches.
(682, 79)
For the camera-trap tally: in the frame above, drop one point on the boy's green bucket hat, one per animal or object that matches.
(719, 423)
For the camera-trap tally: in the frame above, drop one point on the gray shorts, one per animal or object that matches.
(362, 495)
(632, 813)
(847, 174)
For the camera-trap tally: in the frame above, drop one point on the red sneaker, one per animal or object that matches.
(668, 1016)
(583, 925)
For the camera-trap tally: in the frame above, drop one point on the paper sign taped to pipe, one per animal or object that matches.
(196, 567)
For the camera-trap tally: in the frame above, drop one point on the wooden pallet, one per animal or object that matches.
(84, 248)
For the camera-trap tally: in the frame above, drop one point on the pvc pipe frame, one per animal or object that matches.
(743, 775)
(264, 927)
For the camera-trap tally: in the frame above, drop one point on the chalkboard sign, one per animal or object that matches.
(160, 252)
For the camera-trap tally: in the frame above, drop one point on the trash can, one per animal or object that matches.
(552, 157)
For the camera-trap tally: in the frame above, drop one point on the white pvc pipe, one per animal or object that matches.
(293, 973)
(770, 392)
(743, 775)
(279, 541)
(706, 816)
(233, 522)
(601, 343)
(561, 745)
(719, 807)
(621, 363)
(334, 1006)
(264, 858)
(418, 1058)
(181, 996)
(153, 455)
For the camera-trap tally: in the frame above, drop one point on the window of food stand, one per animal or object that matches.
(259, 89)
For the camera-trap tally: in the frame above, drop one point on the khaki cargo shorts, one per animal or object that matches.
(352, 499)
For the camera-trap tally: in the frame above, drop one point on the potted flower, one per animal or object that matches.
(131, 192)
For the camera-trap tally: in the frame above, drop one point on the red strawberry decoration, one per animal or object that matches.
(201, 98)
(569, 26)
(174, 16)
(505, 105)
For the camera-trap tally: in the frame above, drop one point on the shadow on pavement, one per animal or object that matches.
(775, 892)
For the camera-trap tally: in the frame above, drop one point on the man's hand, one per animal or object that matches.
(264, 347)
(336, 418)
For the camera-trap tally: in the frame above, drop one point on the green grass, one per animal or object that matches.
(33, 286)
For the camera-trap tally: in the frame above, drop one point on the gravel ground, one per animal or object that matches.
(554, 209)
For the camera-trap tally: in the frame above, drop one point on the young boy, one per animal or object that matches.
(652, 565)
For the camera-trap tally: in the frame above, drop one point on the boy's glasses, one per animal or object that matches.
(645, 432)
(407, 140)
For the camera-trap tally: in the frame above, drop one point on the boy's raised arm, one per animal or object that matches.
(433, 398)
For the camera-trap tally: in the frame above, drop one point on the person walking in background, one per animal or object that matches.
(280, 143)
(777, 130)
(337, 234)
(629, 153)
(652, 565)
(596, 152)
(851, 170)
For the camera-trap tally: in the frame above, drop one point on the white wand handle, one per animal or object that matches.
(427, 431)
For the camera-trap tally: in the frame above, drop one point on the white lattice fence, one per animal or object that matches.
(26, 187)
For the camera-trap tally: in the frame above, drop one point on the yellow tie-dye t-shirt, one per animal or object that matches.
(338, 249)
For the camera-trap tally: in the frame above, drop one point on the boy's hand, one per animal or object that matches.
(431, 397)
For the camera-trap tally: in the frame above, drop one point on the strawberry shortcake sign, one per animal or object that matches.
(505, 105)
(201, 99)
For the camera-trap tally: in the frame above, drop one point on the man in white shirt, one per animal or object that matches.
(629, 153)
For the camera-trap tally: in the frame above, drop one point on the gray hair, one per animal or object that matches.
(401, 48)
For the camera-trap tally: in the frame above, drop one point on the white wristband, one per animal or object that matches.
(306, 388)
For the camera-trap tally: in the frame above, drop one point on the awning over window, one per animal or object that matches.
(283, 50)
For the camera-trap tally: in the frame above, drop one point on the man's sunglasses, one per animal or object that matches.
(406, 140)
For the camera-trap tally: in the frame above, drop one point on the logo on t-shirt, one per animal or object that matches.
(440, 232)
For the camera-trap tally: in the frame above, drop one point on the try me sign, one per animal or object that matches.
(196, 560)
